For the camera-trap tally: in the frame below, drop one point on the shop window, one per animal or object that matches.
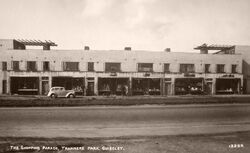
(187, 68)
(112, 67)
(145, 67)
(71, 66)
(234, 68)
(15, 65)
(31, 66)
(220, 68)
(46, 66)
(166, 68)
(207, 68)
(91, 66)
(4, 66)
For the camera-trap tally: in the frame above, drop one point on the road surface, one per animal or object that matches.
(101, 121)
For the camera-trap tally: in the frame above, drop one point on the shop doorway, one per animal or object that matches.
(167, 88)
(45, 87)
(90, 89)
(4, 89)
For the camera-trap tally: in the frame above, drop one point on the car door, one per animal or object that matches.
(63, 92)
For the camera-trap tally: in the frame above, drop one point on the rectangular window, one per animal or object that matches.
(220, 68)
(71, 66)
(112, 67)
(4, 66)
(145, 67)
(31, 66)
(166, 68)
(91, 66)
(46, 66)
(15, 65)
(234, 68)
(207, 68)
(187, 68)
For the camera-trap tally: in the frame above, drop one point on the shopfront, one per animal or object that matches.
(24, 85)
(146, 86)
(185, 86)
(70, 83)
(113, 86)
(227, 86)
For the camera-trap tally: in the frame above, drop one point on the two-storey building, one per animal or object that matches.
(102, 72)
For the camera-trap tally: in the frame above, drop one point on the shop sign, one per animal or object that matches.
(189, 75)
(228, 76)
(146, 74)
(113, 74)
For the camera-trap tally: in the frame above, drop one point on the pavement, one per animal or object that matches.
(116, 121)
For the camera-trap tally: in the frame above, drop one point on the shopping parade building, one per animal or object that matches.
(213, 69)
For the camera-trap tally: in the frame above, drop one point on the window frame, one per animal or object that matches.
(108, 65)
(45, 66)
(4, 66)
(70, 70)
(186, 68)
(164, 67)
(207, 69)
(234, 69)
(90, 66)
(141, 69)
(29, 69)
(218, 70)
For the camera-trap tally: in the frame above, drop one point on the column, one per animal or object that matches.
(130, 86)
(96, 85)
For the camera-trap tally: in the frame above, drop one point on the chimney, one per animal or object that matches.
(128, 48)
(86, 47)
(167, 50)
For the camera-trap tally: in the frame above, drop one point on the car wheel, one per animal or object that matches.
(53, 96)
(71, 96)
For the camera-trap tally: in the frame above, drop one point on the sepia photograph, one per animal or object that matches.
(124, 76)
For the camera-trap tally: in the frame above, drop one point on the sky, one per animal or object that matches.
(114, 24)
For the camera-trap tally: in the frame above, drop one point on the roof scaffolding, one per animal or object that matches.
(215, 47)
(36, 42)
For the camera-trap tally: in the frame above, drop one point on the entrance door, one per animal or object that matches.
(209, 88)
(90, 89)
(167, 88)
(45, 87)
(4, 86)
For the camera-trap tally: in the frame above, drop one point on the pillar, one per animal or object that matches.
(130, 86)
(96, 85)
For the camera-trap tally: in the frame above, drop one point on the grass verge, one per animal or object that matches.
(89, 101)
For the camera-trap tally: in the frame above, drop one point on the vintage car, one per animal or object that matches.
(55, 92)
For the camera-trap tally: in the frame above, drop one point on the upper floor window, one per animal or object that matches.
(71, 66)
(46, 66)
(220, 68)
(31, 66)
(15, 65)
(145, 67)
(207, 68)
(112, 67)
(166, 67)
(4, 66)
(91, 66)
(187, 68)
(234, 68)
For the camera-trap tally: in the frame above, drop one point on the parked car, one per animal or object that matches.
(55, 92)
